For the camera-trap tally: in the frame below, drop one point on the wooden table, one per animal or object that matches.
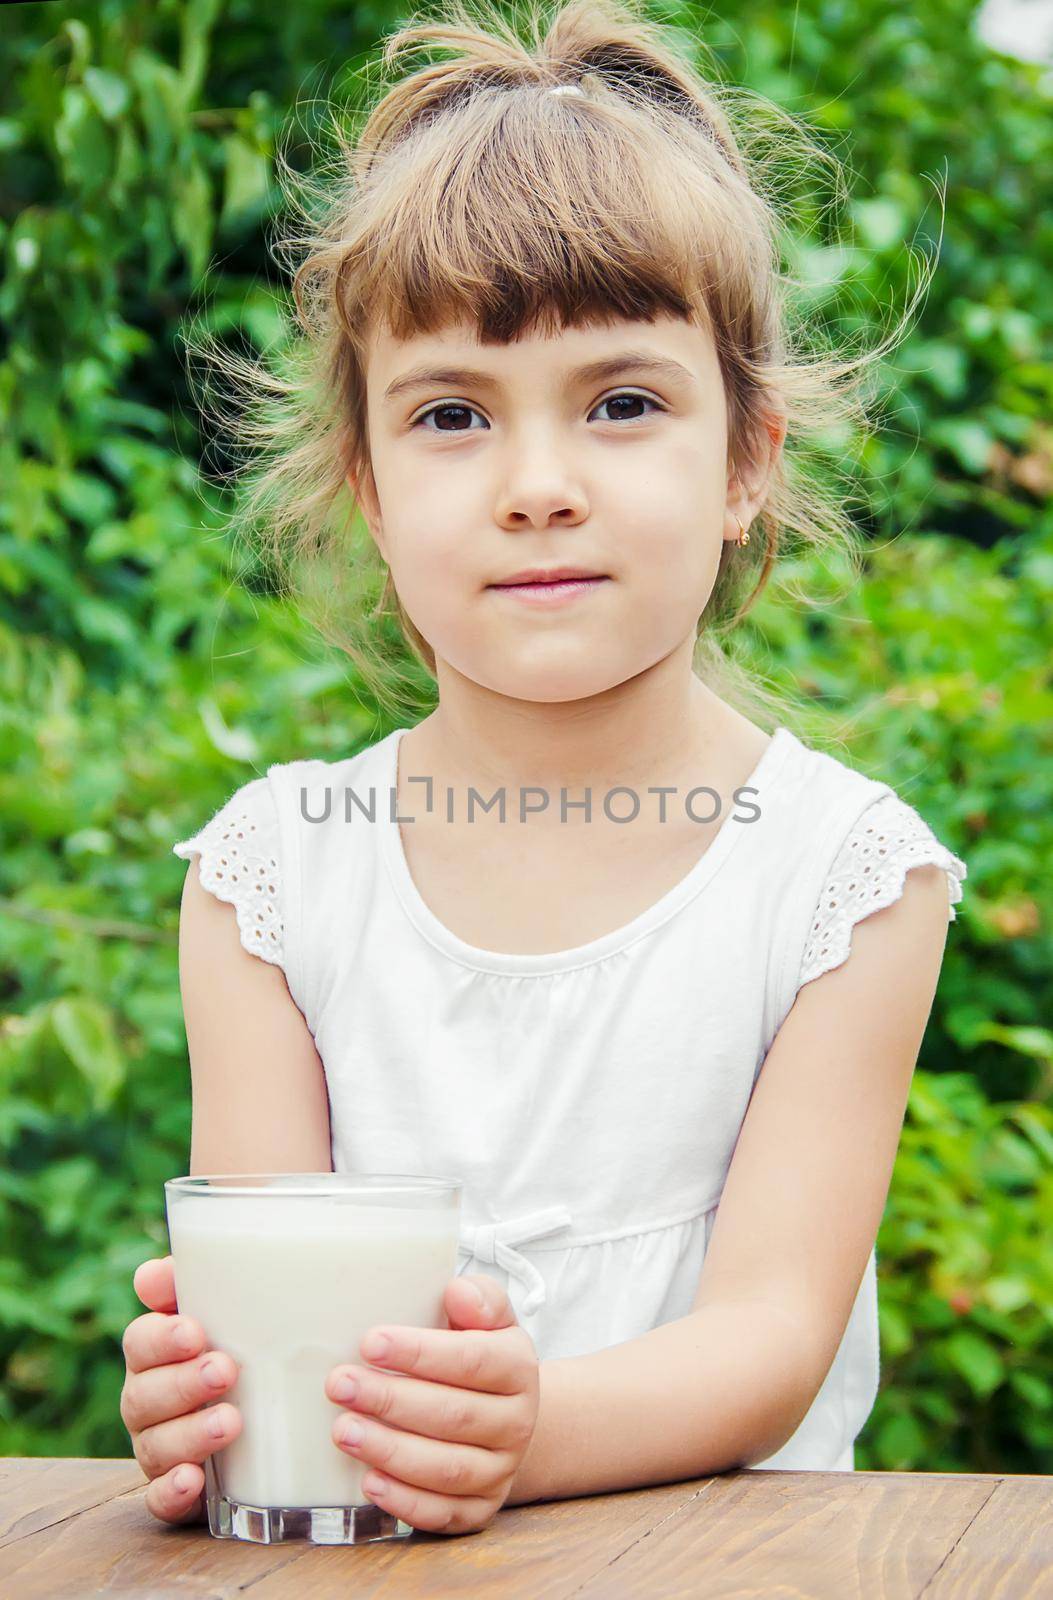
(76, 1528)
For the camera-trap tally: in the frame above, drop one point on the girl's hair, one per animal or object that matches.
(473, 194)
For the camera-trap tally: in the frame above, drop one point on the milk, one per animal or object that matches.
(288, 1284)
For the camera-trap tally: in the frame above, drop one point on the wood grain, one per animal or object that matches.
(789, 1535)
(536, 1552)
(75, 1529)
(1006, 1552)
(118, 1548)
(36, 1493)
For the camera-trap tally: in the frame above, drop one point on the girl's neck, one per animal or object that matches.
(689, 738)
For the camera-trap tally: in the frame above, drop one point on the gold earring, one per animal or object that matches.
(743, 537)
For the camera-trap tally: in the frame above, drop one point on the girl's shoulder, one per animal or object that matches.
(239, 861)
(244, 847)
(865, 857)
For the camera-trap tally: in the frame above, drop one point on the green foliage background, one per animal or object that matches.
(144, 675)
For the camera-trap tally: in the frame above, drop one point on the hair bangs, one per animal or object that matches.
(524, 211)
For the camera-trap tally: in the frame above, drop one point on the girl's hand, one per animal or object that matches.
(448, 1437)
(166, 1381)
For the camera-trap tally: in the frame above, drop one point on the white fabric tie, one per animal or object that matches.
(495, 1244)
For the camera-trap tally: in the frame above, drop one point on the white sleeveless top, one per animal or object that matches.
(588, 1099)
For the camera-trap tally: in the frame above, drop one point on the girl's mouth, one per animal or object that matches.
(550, 594)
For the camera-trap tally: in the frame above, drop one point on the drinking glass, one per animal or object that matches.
(287, 1272)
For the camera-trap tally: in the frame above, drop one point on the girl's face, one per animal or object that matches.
(489, 459)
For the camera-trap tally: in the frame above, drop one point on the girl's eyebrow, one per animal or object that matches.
(593, 372)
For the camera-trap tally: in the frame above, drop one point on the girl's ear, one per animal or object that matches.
(365, 494)
(745, 498)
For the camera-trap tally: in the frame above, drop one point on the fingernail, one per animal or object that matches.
(350, 1431)
(376, 1347)
(212, 1375)
(182, 1338)
(480, 1302)
(216, 1423)
(181, 1482)
(345, 1388)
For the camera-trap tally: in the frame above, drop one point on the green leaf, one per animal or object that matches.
(238, 743)
(882, 222)
(939, 1407)
(192, 220)
(110, 93)
(900, 1443)
(88, 498)
(1035, 1121)
(104, 623)
(84, 1028)
(1035, 1391)
(19, 1310)
(83, 142)
(80, 44)
(978, 1361)
(1029, 1041)
(968, 441)
(246, 185)
(1008, 1293)
(197, 18)
(946, 365)
(895, 1330)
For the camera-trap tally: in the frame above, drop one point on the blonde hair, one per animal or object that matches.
(472, 193)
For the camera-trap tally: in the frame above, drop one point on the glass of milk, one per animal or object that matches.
(287, 1272)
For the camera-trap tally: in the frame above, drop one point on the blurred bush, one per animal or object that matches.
(145, 674)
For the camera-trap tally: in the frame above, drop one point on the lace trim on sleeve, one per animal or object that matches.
(868, 874)
(239, 853)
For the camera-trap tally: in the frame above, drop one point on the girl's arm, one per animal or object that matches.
(728, 1384)
(259, 1095)
(260, 1105)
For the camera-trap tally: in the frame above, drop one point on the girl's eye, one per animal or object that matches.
(450, 406)
(628, 394)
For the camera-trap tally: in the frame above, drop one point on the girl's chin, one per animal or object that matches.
(554, 688)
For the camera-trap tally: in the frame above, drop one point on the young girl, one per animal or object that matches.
(649, 976)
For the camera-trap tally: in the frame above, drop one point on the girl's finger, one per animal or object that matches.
(158, 1337)
(495, 1310)
(178, 1496)
(431, 1513)
(499, 1362)
(191, 1438)
(444, 1469)
(462, 1416)
(162, 1393)
(154, 1283)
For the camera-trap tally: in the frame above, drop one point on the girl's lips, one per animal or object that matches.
(549, 594)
